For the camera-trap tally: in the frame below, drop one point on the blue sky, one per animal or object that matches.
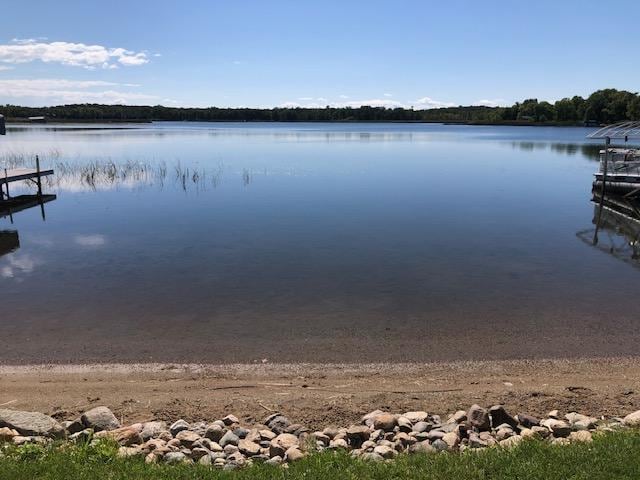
(269, 53)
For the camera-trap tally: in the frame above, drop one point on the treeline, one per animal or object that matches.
(603, 106)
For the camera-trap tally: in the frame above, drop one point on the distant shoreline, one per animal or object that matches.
(24, 121)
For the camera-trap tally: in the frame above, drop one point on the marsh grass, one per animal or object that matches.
(613, 455)
(105, 173)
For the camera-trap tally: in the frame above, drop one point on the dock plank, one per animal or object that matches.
(17, 174)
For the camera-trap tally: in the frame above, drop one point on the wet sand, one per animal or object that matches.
(322, 394)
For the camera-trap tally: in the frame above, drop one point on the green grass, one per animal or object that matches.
(610, 456)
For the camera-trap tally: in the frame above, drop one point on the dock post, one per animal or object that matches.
(6, 183)
(607, 143)
(38, 177)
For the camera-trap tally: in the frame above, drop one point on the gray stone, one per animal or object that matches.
(30, 423)
(277, 423)
(385, 451)
(230, 420)
(214, 432)
(478, 417)
(371, 457)
(420, 427)
(229, 438)
(415, 417)
(178, 426)
(440, 445)
(175, 457)
(152, 429)
(100, 418)
(528, 421)
(499, 416)
(187, 438)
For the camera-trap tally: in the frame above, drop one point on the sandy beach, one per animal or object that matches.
(320, 395)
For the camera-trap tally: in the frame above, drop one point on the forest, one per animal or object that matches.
(601, 107)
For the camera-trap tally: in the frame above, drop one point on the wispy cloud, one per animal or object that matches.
(421, 103)
(67, 53)
(55, 90)
(91, 241)
(496, 102)
(4, 68)
(428, 102)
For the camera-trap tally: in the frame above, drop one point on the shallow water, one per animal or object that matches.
(310, 242)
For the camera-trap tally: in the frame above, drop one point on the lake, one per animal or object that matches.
(195, 242)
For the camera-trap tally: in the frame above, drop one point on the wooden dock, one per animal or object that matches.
(8, 176)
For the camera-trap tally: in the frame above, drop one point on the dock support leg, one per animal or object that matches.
(607, 142)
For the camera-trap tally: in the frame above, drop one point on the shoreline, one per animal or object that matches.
(321, 394)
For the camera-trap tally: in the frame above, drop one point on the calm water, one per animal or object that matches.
(296, 242)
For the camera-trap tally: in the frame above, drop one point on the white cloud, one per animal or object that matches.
(388, 94)
(344, 96)
(5, 68)
(67, 53)
(496, 102)
(18, 263)
(56, 91)
(428, 102)
(92, 241)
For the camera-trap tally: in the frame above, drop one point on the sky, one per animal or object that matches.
(420, 54)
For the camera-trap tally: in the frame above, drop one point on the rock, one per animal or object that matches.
(178, 426)
(30, 423)
(631, 420)
(100, 418)
(277, 460)
(528, 421)
(476, 442)
(214, 432)
(504, 433)
(205, 460)
(439, 445)
(553, 414)
(421, 427)
(339, 443)
(248, 448)
(175, 457)
(499, 415)
(371, 457)
(240, 432)
(230, 420)
(6, 434)
(267, 434)
(151, 458)
(384, 421)
(415, 417)
(559, 428)
(404, 424)
(541, 432)
(385, 451)
(277, 423)
(187, 438)
(421, 447)
(356, 434)
(293, 454)
(229, 438)
(580, 436)
(478, 417)
(321, 437)
(404, 439)
(511, 441)
(128, 452)
(458, 417)
(125, 436)
(282, 443)
(152, 429)
(74, 427)
(451, 439)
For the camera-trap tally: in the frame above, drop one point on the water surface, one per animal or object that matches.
(310, 242)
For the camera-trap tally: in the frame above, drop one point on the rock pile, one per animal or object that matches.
(226, 443)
